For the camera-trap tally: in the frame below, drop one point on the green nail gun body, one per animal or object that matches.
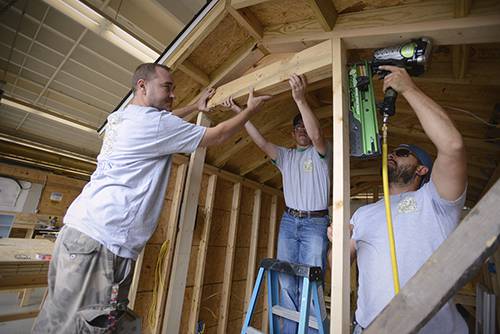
(364, 134)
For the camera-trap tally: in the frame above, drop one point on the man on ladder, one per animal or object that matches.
(302, 235)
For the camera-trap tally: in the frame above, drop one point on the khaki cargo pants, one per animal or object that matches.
(82, 273)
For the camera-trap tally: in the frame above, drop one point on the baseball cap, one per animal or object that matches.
(424, 158)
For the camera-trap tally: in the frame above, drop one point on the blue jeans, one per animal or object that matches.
(303, 241)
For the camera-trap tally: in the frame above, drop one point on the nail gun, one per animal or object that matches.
(364, 134)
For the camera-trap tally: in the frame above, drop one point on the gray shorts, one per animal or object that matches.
(82, 273)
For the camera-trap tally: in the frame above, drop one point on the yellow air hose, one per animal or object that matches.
(387, 201)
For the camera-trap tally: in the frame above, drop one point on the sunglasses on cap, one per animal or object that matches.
(403, 152)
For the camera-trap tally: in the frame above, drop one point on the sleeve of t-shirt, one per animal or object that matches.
(449, 211)
(280, 157)
(177, 136)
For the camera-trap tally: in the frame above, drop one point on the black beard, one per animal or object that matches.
(402, 175)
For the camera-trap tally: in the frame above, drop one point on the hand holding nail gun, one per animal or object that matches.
(394, 65)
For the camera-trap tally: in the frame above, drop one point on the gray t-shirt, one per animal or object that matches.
(306, 177)
(422, 220)
(121, 204)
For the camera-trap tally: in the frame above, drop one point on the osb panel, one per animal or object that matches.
(282, 11)
(219, 228)
(142, 305)
(210, 303)
(240, 266)
(247, 201)
(244, 231)
(214, 267)
(185, 87)
(347, 6)
(160, 234)
(223, 195)
(146, 281)
(224, 40)
(236, 302)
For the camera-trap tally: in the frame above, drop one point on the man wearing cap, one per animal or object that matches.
(306, 184)
(426, 201)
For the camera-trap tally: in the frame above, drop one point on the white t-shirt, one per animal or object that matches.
(306, 177)
(121, 204)
(422, 220)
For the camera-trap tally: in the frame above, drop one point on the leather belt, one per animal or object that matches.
(306, 214)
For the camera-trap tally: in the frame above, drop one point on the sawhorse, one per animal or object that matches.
(311, 287)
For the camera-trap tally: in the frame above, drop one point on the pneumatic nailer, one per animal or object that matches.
(364, 133)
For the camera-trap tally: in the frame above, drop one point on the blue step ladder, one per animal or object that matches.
(311, 288)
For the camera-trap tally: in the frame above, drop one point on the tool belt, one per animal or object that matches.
(306, 214)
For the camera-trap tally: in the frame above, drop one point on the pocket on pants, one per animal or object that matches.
(80, 244)
(93, 319)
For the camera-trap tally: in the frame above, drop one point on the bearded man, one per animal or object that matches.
(426, 201)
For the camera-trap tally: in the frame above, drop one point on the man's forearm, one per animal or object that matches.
(231, 126)
(184, 111)
(310, 120)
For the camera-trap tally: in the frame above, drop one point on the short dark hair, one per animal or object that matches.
(146, 71)
(297, 119)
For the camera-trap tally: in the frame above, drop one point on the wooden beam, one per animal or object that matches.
(173, 220)
(273, 214)
(467, 30)
(229, 264)
(194, 73)
(340, 281)
(272, 79)
(366, 29)
(132, 293)
(232, 62)
(175, 298)
(245, 3)
(18, 316)
(325, 13)
(452, 265)
(252, 256)
(202, 255)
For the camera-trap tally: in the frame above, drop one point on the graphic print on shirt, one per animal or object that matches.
(110, 135)
(308, 166)
(407, 205)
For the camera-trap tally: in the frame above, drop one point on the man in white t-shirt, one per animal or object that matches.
(109, 223)
(306, 185)
(426, 201)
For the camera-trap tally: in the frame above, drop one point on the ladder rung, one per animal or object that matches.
(294, 316)
(251, 330)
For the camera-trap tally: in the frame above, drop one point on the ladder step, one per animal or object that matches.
(293, 315)
(251, 330)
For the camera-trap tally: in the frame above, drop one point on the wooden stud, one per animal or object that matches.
(18, 316)
(252, 256)
(229, 264)
(202, 255)
(458, 258)
(462, 7)
(132, 294)
(270, 253)
(460, 60)
(175, 298)
(325, 13)
(339, 313)
(173, 220)
(314, 62)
